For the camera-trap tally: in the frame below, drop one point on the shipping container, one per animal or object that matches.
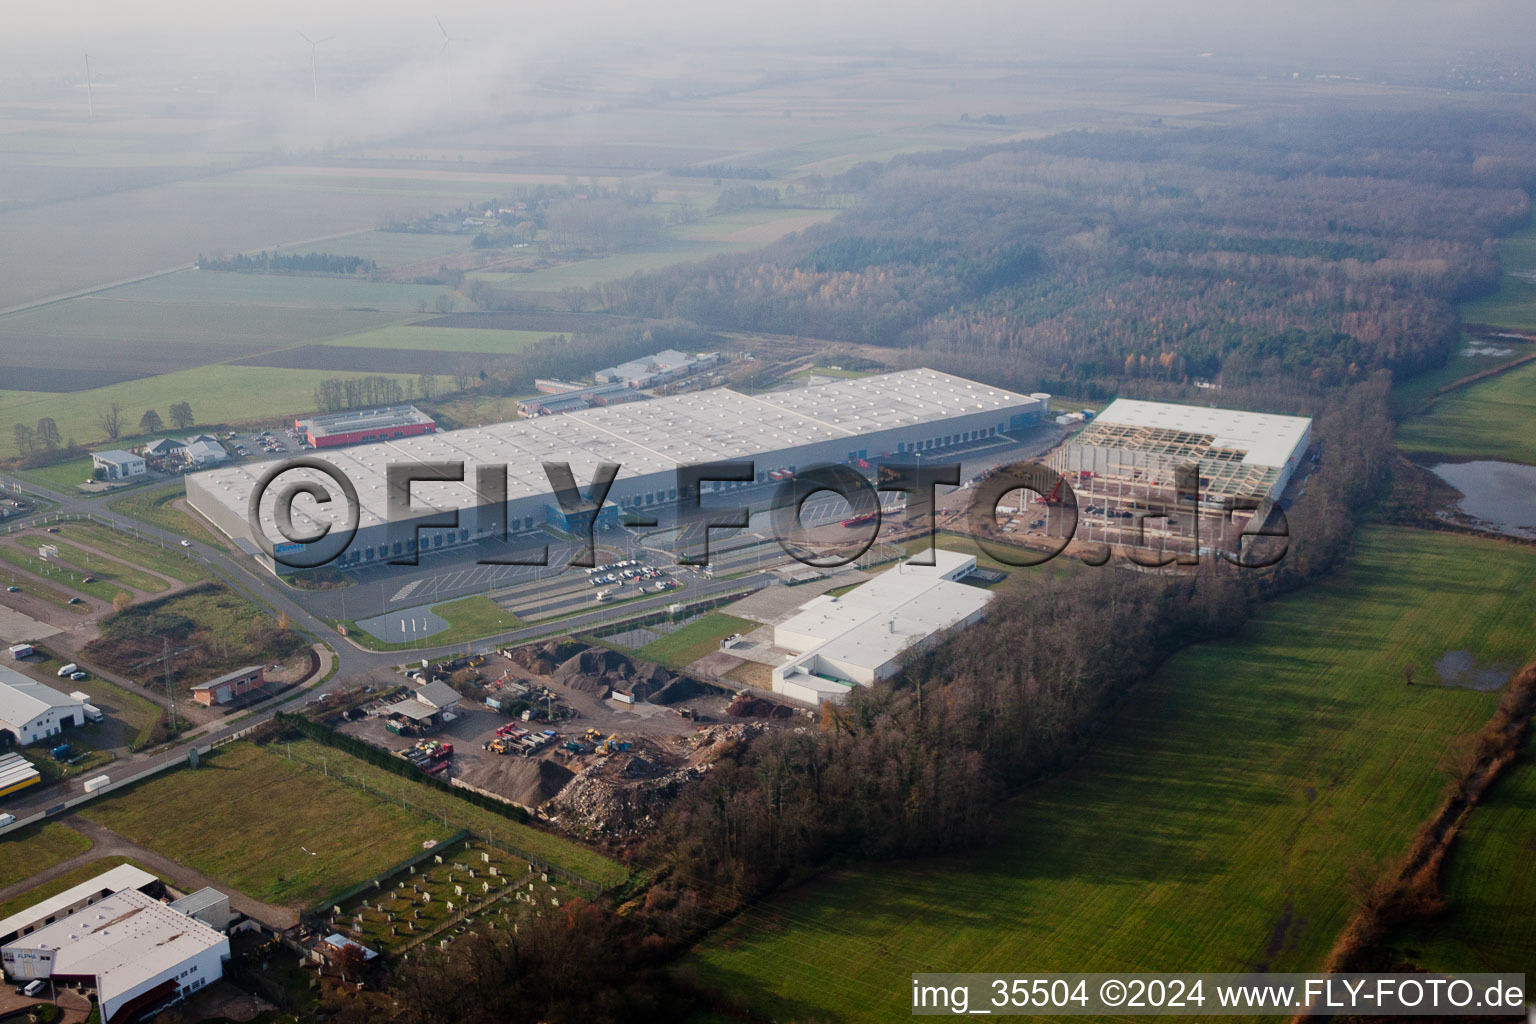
(98, 782)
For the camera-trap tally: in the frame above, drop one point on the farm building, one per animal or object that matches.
(343, 428)
(116, 464)
(1122, 466)
(134, 953)
(860, 637)
(838, 422)
(77, 897)
(229, 686)
(16, 774)
(31, 711)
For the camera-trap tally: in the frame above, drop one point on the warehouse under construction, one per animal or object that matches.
(1178, 478)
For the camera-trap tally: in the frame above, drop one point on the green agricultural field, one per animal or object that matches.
(1514, 304)
(442, 339)
(218, 394)
(1215, 827)
(67, 880)
(25, 852)
(690, 643)
(1492, 419)
(1489, 884)
(155, 506)
(57, 247)
(270, 827)
(1474, 356)
(223, 290)
(541, 845)
(396, 248)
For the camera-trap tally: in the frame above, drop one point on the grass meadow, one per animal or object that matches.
(1216, 826)
(690, 643)
(270, 827)
(1514, 304)
(27, 851)
(1492, 419)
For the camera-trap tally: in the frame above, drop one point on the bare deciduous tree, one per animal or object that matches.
(110, 420)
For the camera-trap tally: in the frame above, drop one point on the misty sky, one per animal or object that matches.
(998, 25)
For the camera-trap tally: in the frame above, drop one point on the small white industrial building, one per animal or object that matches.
(133, 952)
(117, 464)
(860, 637)
(31, 711)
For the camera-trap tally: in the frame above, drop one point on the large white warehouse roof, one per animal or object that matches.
(861, 636)
(1262, 438)
(645, 437)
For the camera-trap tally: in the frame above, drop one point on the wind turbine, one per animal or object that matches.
(90, 97)
(314, 78)
(448, 40)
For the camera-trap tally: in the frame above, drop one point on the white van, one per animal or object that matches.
(69, 669)
(34, 988)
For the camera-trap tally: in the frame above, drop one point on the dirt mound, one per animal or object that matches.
(543, 659)
(746, 706)
(683, 688)
(524, 780)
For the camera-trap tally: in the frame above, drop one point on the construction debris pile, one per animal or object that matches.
(625, 794)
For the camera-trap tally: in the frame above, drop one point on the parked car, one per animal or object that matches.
(75, 600)
(12, 590)
(77, 676)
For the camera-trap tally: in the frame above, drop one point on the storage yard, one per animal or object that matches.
(583, 735)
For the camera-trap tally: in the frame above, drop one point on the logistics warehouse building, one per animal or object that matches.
(839, 422)
(1124, 469)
